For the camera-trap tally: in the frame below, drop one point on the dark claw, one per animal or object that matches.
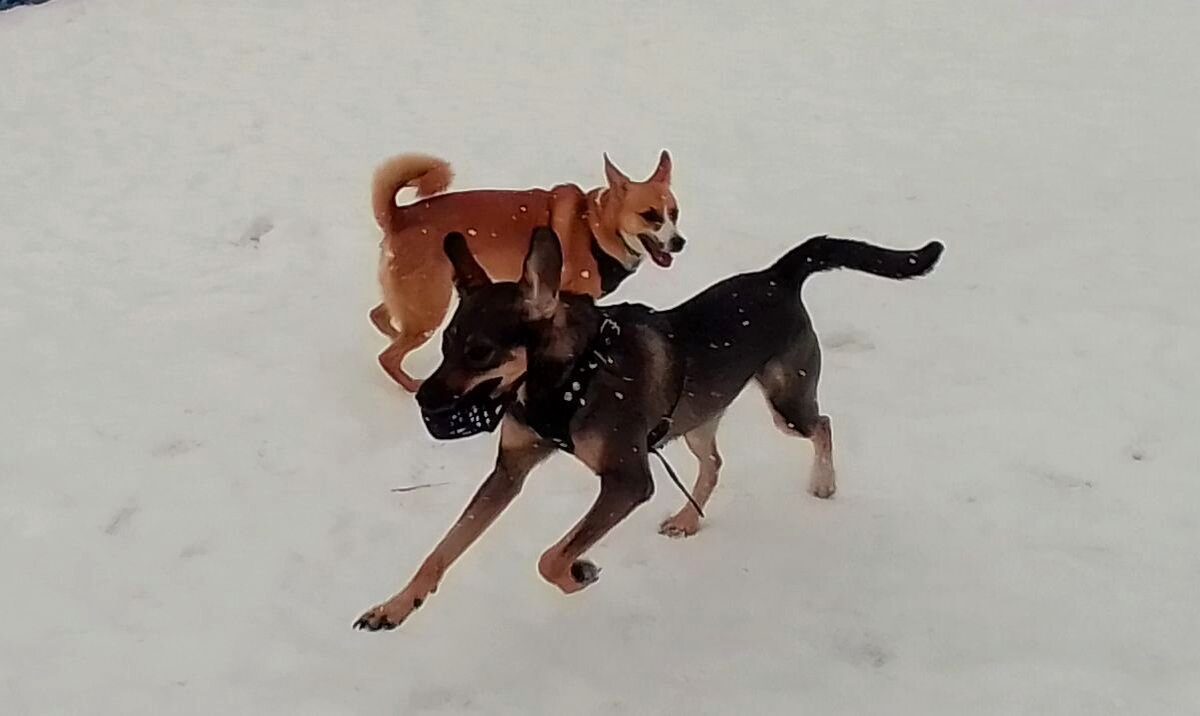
(364, 623)
(418, 602)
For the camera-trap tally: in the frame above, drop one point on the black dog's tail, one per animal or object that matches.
(825, 253)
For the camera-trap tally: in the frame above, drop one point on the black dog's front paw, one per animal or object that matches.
(569, 578)
(584, 572)
(376, 620)
(389, 615)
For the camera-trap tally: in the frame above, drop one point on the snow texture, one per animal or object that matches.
(198, 451)
(9, 4)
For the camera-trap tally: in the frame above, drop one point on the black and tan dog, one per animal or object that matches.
(610, 384)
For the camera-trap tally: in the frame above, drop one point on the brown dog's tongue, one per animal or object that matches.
(660, 257)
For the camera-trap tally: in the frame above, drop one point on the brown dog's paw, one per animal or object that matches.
(389, 615)
(684, 524)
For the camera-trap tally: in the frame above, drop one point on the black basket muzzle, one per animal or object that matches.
(479, 410)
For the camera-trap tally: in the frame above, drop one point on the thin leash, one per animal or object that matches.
(609, 329)
(660, 432)
(675, 478)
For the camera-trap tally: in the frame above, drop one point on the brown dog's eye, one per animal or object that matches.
(674, 214)
(478, 353)
(652, 216)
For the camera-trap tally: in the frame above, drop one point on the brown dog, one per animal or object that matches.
(605, 233)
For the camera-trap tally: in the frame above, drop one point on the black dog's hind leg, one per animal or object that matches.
(791, 388)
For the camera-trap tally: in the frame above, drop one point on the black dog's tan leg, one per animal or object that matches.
(621, 491)
(703, 443)
(519, 453)
(822, 480)
(790, 384)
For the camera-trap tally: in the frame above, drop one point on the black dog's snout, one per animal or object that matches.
(677, 243)
(433, 396)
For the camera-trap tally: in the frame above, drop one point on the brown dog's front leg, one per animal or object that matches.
(621, 491)
(519, 453)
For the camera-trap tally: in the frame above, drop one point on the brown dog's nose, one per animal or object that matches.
(676, 244)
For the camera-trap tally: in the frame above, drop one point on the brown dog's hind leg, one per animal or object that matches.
(420, 303)
(621, 491)
(392, 358)
(382, 320)
(520, 452)
(703, 443)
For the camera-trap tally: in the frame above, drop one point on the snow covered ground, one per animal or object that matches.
(197, 448)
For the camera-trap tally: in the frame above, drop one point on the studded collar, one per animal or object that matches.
(550, 415)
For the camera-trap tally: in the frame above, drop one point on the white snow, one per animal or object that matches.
(197, 449)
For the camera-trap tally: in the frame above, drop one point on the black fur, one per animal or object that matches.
(825, 253)
(612, 272)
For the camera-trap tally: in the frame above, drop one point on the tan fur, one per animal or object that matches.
(415, 276)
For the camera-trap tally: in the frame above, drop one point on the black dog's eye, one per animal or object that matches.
(674, 214)
(652, 216)
(479, 353)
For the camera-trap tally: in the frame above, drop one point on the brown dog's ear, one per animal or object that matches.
(617, 180)
(543, 273)
(663, 172)
(468, 274)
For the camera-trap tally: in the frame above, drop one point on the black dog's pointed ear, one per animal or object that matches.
(543, 273)
(468, 274)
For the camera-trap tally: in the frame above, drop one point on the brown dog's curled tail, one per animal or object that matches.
(825, 253)
(430, 175)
